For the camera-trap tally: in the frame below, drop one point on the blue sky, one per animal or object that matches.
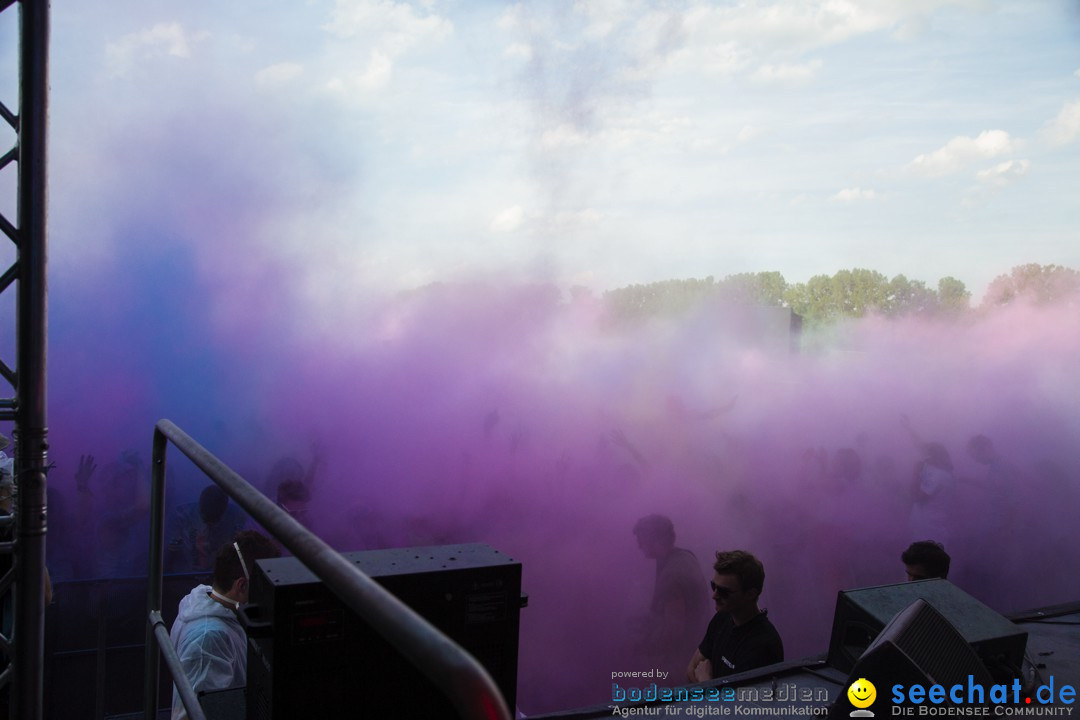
(374, 146)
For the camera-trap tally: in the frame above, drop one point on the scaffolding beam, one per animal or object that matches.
(29, 375)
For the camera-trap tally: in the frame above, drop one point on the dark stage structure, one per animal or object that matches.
(22, 535)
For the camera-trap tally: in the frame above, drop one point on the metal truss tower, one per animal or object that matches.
(24, 644)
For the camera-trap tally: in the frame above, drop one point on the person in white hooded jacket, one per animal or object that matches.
(207, 635)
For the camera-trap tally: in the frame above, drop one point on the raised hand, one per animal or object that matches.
(85, 471)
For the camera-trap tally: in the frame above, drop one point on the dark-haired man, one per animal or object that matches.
(925, 559)
(679, 602)
(740, 636)
(209, 641)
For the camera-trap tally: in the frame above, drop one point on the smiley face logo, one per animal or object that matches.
(862, 693)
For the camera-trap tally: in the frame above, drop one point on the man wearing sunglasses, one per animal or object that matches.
(207, 636)
(740, 636)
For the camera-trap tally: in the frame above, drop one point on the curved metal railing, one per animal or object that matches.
(455, 672)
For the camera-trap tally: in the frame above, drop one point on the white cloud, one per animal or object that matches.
(377, 72)
(518, 51)
(765, 39)
(512, 18)
(508, 220)
(562, 136)
(1066, 126)
(748, 133)
(794, 27)
(708, 144)
(515, 218)
(163, 39)
(1077, 72)
(720, 58)
(396, 25)
(962, 151)
(375, 75)
(1004, 173)
(625, 130)
(375, 34)
(278, 74)
(602, 16)
(577, 218)
(850, 195)
(787, 73)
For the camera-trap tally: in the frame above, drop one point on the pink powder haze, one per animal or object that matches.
(216, 259)
(495, 412)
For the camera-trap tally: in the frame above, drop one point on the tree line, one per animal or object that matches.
(851, 293)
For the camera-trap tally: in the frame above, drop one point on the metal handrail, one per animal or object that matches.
(445, 663)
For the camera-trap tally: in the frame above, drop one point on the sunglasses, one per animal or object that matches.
(720, 591)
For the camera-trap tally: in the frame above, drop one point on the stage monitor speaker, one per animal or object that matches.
(862, 614)
(313, 657)
(919, 646)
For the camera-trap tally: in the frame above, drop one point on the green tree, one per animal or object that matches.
(861, 291)
(1042, 284)
(953, 297)
(797, 297)
(667, 297)
(819, 301)
(762, 288)
(909, 297)
(847, 294)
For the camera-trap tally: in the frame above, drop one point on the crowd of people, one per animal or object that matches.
(789, 495)
(821, 519)
(104, 533)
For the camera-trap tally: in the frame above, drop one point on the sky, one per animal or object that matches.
(387, 145)
(244, 201)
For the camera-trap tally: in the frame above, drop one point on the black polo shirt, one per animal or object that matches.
(737, 648)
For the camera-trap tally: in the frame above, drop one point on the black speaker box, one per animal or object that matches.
(316, 658)
(862, 614)
(919, 646)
